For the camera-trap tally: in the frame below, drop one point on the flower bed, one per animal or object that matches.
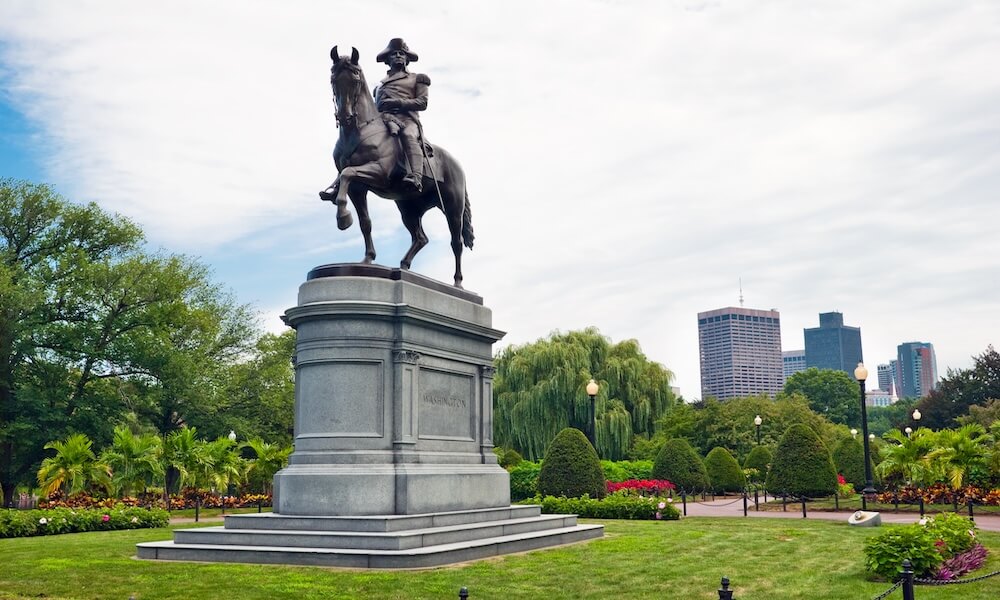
(52, 521)
(613, 506)
(641, 487)
(940, 493)
(942, 547)
(187, 499)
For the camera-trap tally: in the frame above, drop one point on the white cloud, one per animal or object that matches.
(627, 162)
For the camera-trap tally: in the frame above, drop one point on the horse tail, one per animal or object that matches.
(467, 236)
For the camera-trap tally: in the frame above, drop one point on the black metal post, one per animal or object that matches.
(197, 506)
(463, 593)
(758, 435)
(745, 502)
(593, 423)
(684, 501)
(869, 487)
(895, 500)
(907, 579)
(260, 503)
(921, 506)
(803, 507)
(971, 518)
(784, 502)
(724, 592)
(756, 499)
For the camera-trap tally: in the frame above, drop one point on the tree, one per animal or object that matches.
(759, 460)
(960, 390)
(802, 465)
(959, 452)
(74, 468)
(571, 467)
(135, 460)
(985, 415)
(268, 459)
(906, 456)
(849, 459)
(540, 389)
(723, 471)
(679, 464)
(831, 393)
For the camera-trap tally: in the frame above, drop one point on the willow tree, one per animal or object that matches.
(540, 389)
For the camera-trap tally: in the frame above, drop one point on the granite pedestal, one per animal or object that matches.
(393, 463)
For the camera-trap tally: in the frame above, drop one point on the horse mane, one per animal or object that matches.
(363, 99)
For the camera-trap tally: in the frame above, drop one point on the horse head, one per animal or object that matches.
(350, 91)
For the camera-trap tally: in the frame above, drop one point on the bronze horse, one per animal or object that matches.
(368, 158)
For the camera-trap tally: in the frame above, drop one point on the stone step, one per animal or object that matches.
(429, 556)
(393, 540)
(380, 522)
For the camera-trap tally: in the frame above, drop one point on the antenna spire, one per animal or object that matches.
(741, 292)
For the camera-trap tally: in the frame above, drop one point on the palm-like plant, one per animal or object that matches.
(135, 460)
(182, 454)
(270, 458)
(220, 465)
(959, 451)
(908, 456)
(74, 468)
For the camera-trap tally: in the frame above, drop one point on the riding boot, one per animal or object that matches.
(416, 158)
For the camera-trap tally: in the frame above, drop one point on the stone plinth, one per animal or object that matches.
(393, 397)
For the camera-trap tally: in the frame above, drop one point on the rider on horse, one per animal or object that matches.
(399, 97)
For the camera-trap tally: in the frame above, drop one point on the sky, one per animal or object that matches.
(629, 164)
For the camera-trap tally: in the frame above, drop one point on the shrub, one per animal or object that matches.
(724, 471)
(510, 458)
(613, 471)
(24, 523)
(802, 465)
(625, 470)
(571, 467)
(849, 460)
(524, 480)
(614, 506)
(958, 533)
(679, 463)
(884, 553)
(760, 460)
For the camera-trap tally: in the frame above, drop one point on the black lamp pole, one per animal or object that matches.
(861, 373)
(592, 389)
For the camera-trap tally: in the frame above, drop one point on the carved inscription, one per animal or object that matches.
(446, 405)
(441, 398)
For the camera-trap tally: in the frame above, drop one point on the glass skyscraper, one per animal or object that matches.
(833, 345)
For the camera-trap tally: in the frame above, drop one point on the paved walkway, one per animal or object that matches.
(733, 507)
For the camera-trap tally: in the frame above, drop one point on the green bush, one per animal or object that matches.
(509, 458)
(802, 465)
(957, 532)
(624, 470)
(614, 506)
(52, 521)
(884, 553)
(849, 459)
(524, 480)
(571, 467)
(724, 471)
(760, 460)
(679, 464)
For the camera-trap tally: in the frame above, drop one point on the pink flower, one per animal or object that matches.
(106, 518)
(658, 515)
(661, 505)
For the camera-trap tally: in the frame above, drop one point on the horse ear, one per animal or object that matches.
(334, 55)
(354, 55)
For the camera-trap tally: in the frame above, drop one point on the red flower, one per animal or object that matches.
(840, 479)
(106, 518)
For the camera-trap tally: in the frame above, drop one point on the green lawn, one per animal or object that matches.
(764, 558)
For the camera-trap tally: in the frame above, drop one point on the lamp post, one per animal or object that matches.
(592, 389)
(757, 421)
(232, 438)
(854, 433)
(916, 415)
(861, 374)
(908, 431)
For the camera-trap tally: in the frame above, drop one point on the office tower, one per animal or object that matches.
(917, 369)
(886, 377)
(833, 345)
(740, 352)
(793, 361)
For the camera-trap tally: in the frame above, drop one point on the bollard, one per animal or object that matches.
(744, 503)
(197, 505)
(907, 579)
(803, 507)
(921, 506)
(260, 503)
(463, 593)
(756, 499)
(724, 592)
(784, 503)
(836, 501)
(895, 500)
(971, 518)
(765, 495)
(684, 502)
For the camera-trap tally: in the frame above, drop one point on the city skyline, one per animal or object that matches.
(801, 149)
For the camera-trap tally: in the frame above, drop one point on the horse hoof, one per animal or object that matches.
(458, 284)
(344, 221)
(404, 266)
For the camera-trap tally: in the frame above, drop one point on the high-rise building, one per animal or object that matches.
(833, 345)
(793, 361)
(886, 378)
(740, 352)
(917, 366)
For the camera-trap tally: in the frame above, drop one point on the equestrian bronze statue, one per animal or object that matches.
(381, 148)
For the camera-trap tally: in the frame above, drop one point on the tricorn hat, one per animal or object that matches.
(396, 44)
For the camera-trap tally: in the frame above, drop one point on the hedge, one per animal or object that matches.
(571, 467)
(614, 506)
(52, 521)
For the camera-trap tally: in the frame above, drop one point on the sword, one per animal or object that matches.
(430, 165)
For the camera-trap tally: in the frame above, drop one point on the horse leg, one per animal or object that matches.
(411, 220)
(359, 197)
(455, 204)
(344, 219)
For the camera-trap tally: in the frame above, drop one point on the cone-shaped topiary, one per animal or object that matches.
(571, 467)
(678, 463)
(759, 459)
(724, 471)
(849, 460)
(510, 459)
(802, 465)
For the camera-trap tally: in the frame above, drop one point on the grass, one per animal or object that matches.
(764, 558)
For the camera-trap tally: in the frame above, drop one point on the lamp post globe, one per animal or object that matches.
(861, 374)
(908, 431)
(916, 414)
(854, 432)
(757, 421)
(592, 389)
(232, 435)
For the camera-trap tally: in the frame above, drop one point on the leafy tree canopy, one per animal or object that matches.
(831, 393)
(962, 389)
